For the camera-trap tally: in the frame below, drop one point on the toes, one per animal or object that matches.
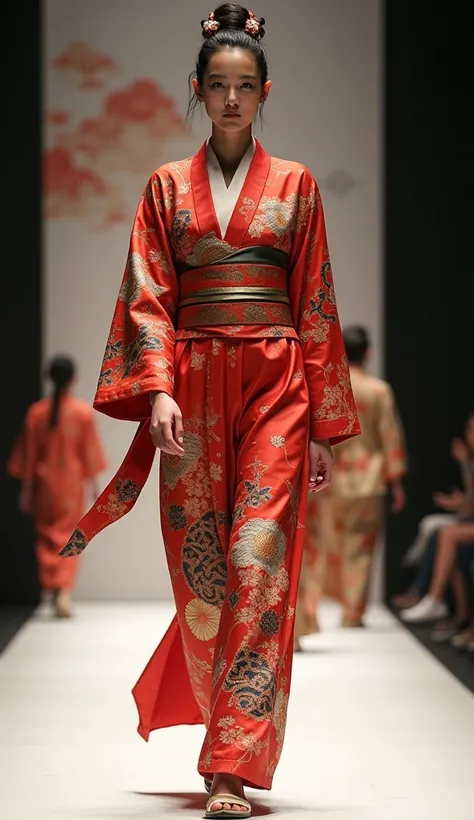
(235, 807)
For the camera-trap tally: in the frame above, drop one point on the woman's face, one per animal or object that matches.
(232, 89)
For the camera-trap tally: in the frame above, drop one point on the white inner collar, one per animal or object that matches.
(225, 198)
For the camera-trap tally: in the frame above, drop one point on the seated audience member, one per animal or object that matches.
(450, 538)
(457, 507)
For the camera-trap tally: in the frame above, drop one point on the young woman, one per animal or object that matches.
(226, 321)
(56, 456)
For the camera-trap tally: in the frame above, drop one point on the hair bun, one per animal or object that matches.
(232, 15)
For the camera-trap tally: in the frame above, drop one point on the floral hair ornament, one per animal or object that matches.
(210, 26)
(252, 26)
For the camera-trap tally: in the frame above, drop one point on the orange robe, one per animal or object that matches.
(242, 330)
(58, 462)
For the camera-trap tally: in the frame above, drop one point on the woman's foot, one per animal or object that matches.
(428, 609)
(352, 623)
(63, 604)
(463, 640)
(406, 599)
(447, 628)
(229, 785)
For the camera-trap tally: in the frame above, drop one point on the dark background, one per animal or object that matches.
(20, 309)
(428, 272)
(429, 232)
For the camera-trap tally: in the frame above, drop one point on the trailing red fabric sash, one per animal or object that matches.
(120, 495)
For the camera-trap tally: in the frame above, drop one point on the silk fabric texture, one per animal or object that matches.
(254, 380)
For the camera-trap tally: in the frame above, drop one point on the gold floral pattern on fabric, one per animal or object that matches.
(202, 619)
(316, 329)
(176, 467)
(143, 234)
(307, 206)
(137, 280)
(207, 250)
(280, 713)
(261, 543)
(148, 338)
(255, 495)
(198, 669)
(264, 592)
(164, 190)
(236, 273)
(157, 257)
(181, 169)
(238, 332)
(237, 737)
(274, 215)
(123, 495)
(198, 361)
(333, 412)
(240, 313)
(279, 441)
(337, 400)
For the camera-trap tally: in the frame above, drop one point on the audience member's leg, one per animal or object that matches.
(428, 526)
(432, 606)
(421, 583)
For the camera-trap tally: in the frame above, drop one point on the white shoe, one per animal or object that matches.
(428, 609)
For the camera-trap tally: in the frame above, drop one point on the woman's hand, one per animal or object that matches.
(321, 463)
(451, 502)
(398, 496)
(460, 451)
(166, 426)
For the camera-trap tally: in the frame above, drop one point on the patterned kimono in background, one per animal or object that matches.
(343, 523)
(59, 462)
(227, 305)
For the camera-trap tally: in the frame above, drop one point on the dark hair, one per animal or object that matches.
(232, 20)
(61, 371)
(357, 343)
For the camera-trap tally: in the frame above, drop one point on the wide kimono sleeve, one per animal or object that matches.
(311, 288)
(139, 356)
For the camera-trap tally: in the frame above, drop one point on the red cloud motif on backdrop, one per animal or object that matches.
(84, 164)
(88, 65)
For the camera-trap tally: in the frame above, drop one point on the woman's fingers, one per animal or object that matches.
(163, 438)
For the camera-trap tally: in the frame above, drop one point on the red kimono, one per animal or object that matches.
(242, 330)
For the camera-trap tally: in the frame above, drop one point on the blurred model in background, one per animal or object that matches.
(56, 456)
(344, 521)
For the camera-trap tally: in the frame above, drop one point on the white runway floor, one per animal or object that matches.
(377, 729)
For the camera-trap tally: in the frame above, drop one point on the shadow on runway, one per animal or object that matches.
(195, 802)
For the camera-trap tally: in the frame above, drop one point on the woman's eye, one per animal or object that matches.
(247, 85)
(217, 85)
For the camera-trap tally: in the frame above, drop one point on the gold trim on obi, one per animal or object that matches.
(234, 293)
(236, 313)
(240, 294)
